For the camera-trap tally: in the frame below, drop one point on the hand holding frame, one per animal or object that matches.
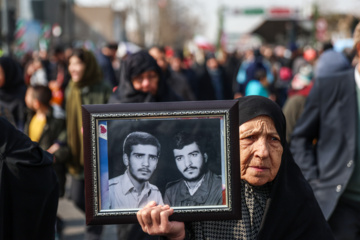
(154, 220)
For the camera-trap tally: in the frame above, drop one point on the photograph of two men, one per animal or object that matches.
(179, 162)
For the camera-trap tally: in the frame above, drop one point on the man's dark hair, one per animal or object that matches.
(142, 138)
(182, 139)
(42, 94)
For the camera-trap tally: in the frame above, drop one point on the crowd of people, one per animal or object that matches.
(315, 91)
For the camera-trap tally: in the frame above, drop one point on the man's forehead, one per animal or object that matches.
(144, 148)
(191, 146)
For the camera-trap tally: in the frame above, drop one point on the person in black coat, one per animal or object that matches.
(28, 187)
(212, 82)
(325, 144)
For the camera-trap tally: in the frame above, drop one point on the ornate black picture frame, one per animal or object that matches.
(112, 173)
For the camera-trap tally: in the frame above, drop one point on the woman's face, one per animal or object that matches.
(146, 82)
(76, 68)
(260, 150)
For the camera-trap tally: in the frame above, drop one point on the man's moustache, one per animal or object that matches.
(144, 170)
(190, 168)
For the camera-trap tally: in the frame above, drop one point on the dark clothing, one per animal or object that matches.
(330, 116)
(191, 79)
(107, 69)
(331, 62)
(28, 188)
(206, 87)
(179, 84)
(291, 211)
(343, 222)
(54, 132)
(209, 192)
(12, 93)
(231, 67)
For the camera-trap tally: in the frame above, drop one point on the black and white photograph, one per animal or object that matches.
(179, 159)
(176, 162)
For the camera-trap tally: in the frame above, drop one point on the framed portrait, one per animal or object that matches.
(184, 154)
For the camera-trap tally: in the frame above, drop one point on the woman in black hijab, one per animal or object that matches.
(141, 81)
(276, 200)
(12, 91)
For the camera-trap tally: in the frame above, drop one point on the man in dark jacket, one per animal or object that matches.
(28, 187)
(332, 165)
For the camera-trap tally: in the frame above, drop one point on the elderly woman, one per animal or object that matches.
(276, 201)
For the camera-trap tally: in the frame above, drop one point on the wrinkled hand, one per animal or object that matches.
(154, 220)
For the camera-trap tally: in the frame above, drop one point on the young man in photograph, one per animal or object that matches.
(199, 186)
(132, 189)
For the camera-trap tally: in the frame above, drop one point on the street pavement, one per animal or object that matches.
(74, 221)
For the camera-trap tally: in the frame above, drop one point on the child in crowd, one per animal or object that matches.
(259, 85)
(46, 125)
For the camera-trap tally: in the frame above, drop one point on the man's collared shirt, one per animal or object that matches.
(123, 194)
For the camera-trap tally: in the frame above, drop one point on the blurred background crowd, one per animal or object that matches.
(59, 54)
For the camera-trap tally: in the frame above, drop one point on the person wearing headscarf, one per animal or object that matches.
(85, 87)
(141, 81)
(12, 92)
(28, 187)
(276, 200)
(326, 144)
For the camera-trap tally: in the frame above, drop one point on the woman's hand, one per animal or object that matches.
(154, 220)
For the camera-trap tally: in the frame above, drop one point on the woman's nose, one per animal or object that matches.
(262, 148)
